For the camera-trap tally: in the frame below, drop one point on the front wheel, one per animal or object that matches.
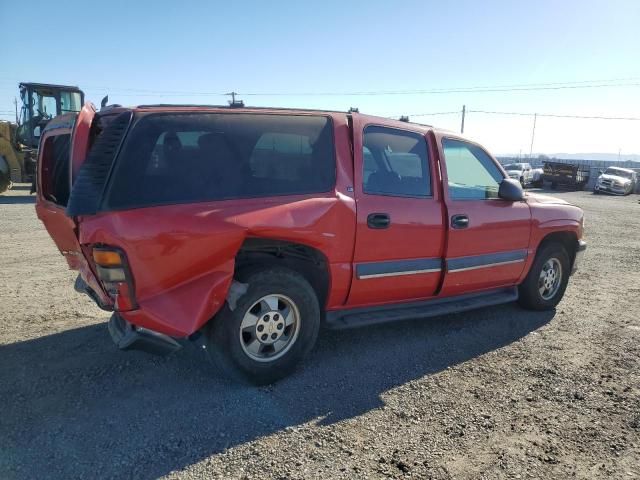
(546, 282)
(273, 326)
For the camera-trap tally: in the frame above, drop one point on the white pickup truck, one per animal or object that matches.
(524, 174)
(616, 180)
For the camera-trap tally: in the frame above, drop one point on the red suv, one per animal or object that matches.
(246, 229)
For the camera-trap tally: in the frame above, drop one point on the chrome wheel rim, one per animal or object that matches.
(550, 278)
(269, 328)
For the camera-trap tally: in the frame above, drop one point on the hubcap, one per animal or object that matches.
(269, 328)
(550, 278)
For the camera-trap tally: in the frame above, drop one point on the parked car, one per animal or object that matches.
(616, 180)
(521, 172)
(245, 229)
(538, 175)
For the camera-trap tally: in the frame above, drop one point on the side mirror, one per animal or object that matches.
(600, 172)
(511, 190)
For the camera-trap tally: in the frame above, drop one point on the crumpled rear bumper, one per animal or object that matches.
(130, 337)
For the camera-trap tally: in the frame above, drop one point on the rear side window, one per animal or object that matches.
(395, 163)
(180, 158)
(55, 176)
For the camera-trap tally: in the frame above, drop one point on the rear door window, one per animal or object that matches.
(178, 158)
(395, 163)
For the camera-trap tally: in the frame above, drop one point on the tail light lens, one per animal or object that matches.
(113, 272)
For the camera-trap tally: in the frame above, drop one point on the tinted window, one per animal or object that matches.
(55, 169)
(395, 162)
(471, 172)
(181, 158)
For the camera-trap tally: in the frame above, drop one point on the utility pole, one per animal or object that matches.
(15, 102)
(464, 110)
(233, 102)
(533, 134)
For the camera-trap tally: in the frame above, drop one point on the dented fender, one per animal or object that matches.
(182, 257)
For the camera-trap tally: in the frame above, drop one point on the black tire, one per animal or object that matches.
(530, 296)
(224, 339)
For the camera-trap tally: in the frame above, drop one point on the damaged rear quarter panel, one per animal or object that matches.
(182, 257)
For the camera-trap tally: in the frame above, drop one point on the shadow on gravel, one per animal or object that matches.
(75, 407)
(17, 199)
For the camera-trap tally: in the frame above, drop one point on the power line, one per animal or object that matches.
(457, 112)
(612, 83)
(556, 115)
(436, 91)
(524, 114)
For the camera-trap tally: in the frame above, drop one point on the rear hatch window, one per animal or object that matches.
(187, 157)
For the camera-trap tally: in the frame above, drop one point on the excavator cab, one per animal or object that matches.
(40, 103)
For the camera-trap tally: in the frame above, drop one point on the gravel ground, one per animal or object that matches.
(496, 393)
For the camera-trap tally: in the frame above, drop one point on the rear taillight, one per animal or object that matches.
(113, 272)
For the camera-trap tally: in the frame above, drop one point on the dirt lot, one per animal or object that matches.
(497, 393)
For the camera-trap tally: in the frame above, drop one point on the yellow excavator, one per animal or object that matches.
(40, 102)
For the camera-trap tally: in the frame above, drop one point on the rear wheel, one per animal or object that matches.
(274, 325)
(544, 286)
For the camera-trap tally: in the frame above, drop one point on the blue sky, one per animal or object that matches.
(137, 52)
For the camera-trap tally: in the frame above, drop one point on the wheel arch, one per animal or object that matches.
(568, 240)
(258, 253)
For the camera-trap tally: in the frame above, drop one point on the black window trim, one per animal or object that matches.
(469, 142)
(138, 116)
(429, 164)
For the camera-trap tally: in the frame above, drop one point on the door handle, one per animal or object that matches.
(378, 220)
(459, 221)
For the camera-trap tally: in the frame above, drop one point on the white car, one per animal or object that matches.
(616, 180)
(521, 172)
